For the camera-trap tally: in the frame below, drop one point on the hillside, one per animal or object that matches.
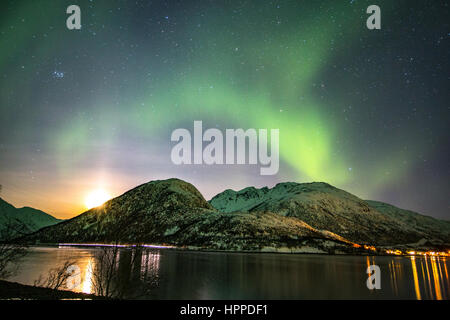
(174, 212)
(291, 217)
(323, 206)
(15, 221)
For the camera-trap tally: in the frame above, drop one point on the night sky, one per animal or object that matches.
(364, 110)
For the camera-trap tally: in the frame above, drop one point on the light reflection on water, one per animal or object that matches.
(430, 282)
(174, 274)
(87, 280)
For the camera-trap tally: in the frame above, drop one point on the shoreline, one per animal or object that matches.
(10, 290)
(268, 250)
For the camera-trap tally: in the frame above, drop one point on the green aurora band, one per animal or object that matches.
(262, 79)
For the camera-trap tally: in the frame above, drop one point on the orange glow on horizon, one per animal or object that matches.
(96, 198)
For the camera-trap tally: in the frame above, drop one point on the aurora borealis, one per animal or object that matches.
(364, 110)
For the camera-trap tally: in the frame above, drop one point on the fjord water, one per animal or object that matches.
(178, 274)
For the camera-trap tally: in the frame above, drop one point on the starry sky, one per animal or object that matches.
(364, 110)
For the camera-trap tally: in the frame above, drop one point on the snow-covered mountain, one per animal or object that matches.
(325, 207)
(290, 217)
(15, 221)
(174, 212)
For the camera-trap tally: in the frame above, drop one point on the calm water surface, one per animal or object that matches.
(176, 274)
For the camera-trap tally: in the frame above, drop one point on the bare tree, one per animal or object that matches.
(114, 271)
(56, 277)
(11, 249)
(104, 272)
(109, 270)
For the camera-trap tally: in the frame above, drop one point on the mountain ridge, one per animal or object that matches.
(291, 217)
(326, 207)
(26, 219)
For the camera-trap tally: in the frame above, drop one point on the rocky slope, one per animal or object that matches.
(174, 212)
(290, 217)
(323, 206)
(14, 221)
(434, 231)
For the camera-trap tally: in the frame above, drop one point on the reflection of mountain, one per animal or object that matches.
(140, 273)
(313, 217)
(22, 220)
(123, 273)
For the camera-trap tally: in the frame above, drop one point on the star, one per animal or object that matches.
(58, 74)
